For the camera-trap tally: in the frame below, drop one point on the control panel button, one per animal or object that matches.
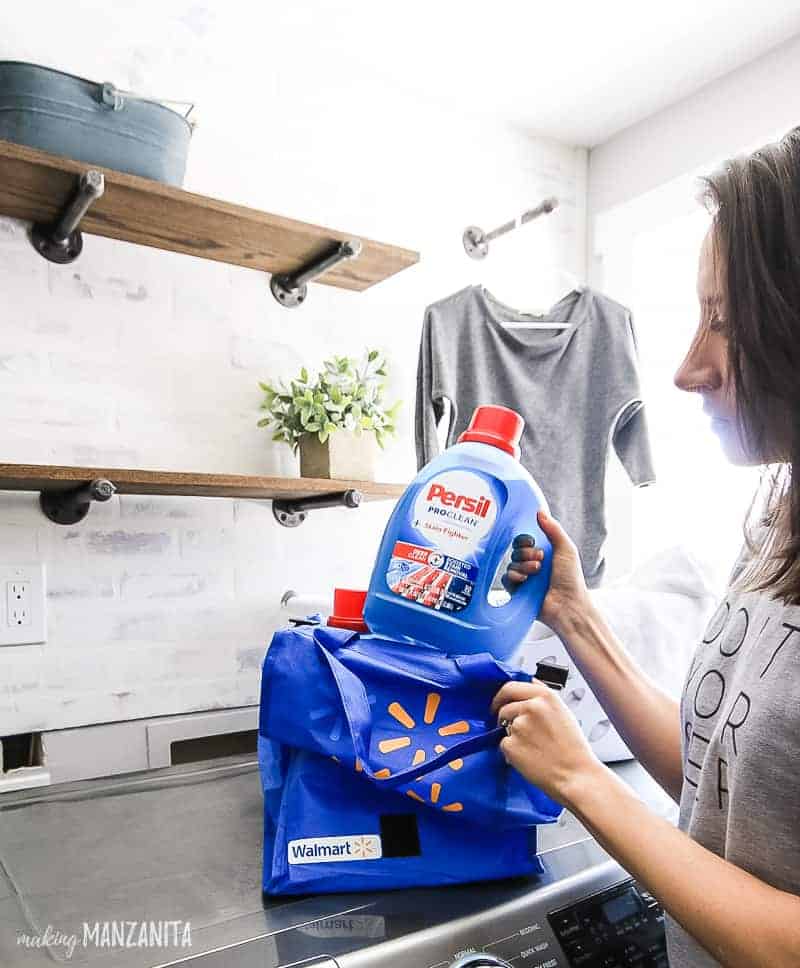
(565, 924)
(576, 946)
(620, 927)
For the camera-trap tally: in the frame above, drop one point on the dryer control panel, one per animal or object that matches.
(616, 928)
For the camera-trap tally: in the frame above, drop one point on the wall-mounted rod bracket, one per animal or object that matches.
(72, 505)
(61, 241)
(292, 513)
(291, 289)
(476, 241)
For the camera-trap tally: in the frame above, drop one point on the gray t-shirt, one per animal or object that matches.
(578, 390)
(740, 714)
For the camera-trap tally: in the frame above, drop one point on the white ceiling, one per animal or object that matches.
(572, 70)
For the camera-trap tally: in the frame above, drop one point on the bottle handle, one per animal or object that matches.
(526, 540)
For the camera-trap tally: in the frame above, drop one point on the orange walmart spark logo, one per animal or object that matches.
(391, 746)
(365, 848)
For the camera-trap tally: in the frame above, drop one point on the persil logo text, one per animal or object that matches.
(478, 506)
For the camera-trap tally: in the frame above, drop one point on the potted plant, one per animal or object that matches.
(336, 421)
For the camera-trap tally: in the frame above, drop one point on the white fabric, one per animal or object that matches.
(659, 613)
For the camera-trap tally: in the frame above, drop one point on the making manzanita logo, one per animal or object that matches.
(50, 938)
(112, 934)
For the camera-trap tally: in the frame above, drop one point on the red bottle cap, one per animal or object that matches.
(348, 610)
(497, 426)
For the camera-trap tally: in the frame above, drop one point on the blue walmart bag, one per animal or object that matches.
(381, 769)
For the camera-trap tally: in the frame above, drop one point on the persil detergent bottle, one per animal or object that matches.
(437, 575)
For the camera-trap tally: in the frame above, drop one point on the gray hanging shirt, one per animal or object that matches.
(740, 714)
(577, 389)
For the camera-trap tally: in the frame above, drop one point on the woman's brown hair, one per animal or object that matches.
(755, 204)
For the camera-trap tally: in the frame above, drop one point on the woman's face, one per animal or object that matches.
(705, 369)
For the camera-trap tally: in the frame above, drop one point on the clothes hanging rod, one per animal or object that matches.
(476, 241)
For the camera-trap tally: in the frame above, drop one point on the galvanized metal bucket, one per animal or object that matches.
(97, 123)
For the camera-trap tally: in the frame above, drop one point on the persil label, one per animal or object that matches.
(455, 511)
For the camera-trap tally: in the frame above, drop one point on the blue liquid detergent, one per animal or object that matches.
(446, 538)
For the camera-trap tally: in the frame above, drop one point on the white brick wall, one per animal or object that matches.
(135, 357)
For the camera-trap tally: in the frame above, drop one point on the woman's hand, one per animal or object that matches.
(567, 594)
(544, 742)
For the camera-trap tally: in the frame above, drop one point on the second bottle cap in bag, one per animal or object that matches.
(348, 610)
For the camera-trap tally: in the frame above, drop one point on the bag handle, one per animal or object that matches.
(467, 747)
(359, 717)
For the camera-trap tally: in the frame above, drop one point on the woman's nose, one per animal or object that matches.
(700, 368)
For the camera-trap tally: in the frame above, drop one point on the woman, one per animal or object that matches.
(729, 877)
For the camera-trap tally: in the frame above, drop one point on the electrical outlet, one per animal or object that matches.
(23, 617)
(18, 603)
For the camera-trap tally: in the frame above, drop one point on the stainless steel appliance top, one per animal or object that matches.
(122, 866)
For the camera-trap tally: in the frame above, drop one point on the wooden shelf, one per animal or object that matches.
(45, 477)
(35, 186)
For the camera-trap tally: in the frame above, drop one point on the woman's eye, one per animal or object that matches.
(717, 325)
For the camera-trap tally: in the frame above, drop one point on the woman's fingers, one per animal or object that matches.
(513, 579)
(516, 702)
(527, 554)
(515, 575)
(516, 692)
(515, 710)
(526, 567)
(525, 561)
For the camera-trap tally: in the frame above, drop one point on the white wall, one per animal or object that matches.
(139, 358)
(643, 233)
(646, 175)
(745, 107)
